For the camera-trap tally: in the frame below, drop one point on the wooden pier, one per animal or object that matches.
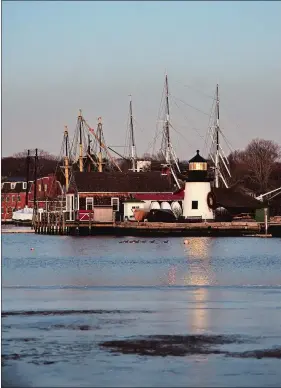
(60, 226)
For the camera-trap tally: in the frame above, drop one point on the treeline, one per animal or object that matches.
(257, 167)
(15, 166)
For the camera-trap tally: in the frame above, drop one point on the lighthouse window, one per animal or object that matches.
(194, 205)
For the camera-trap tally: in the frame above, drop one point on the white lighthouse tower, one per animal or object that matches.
(197, 189)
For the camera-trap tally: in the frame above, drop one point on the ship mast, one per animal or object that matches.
(66, 159)
(167, 124)
(89, 151)
(132, 138)
(80, 142)
(217, 155)
(217, 129)
(99, 134)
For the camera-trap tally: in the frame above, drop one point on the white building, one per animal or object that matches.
(197, 188)
(129, 208)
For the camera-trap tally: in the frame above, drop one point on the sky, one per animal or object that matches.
(59, 57)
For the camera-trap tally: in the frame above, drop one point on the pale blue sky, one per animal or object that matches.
(58, 57)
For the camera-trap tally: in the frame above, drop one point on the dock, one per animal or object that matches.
(150, 229)
(20, 230)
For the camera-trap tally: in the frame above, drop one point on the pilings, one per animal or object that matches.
(51, 223)
(57, 224)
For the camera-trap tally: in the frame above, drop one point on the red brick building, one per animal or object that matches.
(13, 194)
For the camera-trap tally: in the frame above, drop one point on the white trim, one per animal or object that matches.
(125, 192)
(118, 202)
(91, 202)
(24, 185)
(13, 185)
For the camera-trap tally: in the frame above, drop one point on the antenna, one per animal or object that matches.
(132, 137)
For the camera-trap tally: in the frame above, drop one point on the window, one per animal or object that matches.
(39, 187)
(115, 204)
(24, 185)
(45, 187)
(19, 198)
(13, 198)
(194, 205)
(13, 185)
(89, 203)
(7, 199)
(2, 210)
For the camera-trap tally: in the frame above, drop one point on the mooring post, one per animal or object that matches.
(266, 219)
(90, 222)
(63, 223)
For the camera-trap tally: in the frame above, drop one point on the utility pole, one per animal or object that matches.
(27, 177)
(133, 146)
(35, 180)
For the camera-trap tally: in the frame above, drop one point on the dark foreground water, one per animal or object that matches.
(102, 312)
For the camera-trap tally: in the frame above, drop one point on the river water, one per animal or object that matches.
(64, 298)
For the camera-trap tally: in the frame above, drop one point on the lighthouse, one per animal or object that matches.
(197, 193)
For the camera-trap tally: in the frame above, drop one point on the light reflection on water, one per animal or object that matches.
(210, 285)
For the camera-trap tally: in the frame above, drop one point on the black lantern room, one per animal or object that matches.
(198, 169)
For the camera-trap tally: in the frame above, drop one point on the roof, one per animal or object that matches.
(13, 179)
(232, 198)
(17, 189)
(131, 200)
(119, 182)
(179, 196)
(197, 159)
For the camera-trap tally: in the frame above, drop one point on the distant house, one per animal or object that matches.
(13, 194)
(48, 189)
(100, 193)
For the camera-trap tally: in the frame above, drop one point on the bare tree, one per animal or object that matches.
(261, 156)
(41, 153)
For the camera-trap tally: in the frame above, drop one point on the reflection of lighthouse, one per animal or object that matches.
(197, 188)
(200, 314)
(199, 271)
(172, 276)
(199, 274)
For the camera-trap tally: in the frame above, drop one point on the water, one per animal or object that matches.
(210, 286)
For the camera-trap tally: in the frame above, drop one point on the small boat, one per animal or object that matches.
(140, 214)
(23, 216)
